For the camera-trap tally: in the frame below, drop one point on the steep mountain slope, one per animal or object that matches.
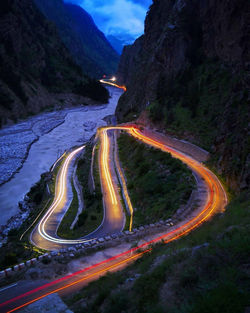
(85, 41)
(116, 43)
(35, 64)
(204, 272)
(190, 71)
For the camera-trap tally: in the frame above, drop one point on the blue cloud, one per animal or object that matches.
(123, 19)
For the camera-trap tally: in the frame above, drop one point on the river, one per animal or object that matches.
(45, 151)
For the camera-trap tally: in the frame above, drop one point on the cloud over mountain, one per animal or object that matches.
(123, 19)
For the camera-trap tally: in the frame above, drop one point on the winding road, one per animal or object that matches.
(215, 201)
(45, 235)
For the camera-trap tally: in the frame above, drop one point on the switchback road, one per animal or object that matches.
(215, 202)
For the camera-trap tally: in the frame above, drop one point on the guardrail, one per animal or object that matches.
(81, 248)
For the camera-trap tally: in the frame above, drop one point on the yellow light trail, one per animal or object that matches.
(213, 201)
(61, 192)
(124, 187)
(81, 280)
(59, 200)
(113, 84)
(107, 178)
(105, 155)
(216, 200)
(215, 188)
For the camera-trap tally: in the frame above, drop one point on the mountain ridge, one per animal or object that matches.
(87, 44)
(189, 73)
(35, 64)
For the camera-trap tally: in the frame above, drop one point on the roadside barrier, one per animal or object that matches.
(76, 250)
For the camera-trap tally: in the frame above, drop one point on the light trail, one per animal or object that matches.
(58, 160)
(80, 280)
(215, 188)
(124, 186)
(8, 287)
(215, 201)
(115, 212)
(59, 200)
(105, 155)
(114, 216)
(113, 84)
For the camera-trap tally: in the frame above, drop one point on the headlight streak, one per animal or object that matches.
(113, 84)
(71, 284)
(217, 199)
(124, 187)
(58, 198)
(62, 192)
(105, 156)
(211, 179)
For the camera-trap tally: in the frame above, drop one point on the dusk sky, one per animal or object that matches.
(123, 19)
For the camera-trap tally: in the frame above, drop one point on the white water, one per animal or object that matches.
(47, 149)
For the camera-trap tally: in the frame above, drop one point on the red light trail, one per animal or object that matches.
(215, 202)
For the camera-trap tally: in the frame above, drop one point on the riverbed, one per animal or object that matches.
(31, 147)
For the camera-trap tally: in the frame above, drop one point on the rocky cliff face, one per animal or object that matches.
(130, 56)
(34, 63)
(87, 44)
(190, 71)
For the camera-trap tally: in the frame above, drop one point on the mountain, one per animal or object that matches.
(35, 65)
(189, 75)
(87, 44)
(116, 43)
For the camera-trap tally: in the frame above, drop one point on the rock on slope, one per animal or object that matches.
(34, 63)
(85, 41)
(191, 71)
(50, 304)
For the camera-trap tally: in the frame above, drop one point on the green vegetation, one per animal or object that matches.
(187, 102)
(16, 250)
(211, 104)
(92, 215)
(206, 271)
(64, 228)
(18, 247)
(157, 183)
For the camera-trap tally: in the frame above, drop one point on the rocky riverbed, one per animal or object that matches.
(28, 149)
(16, 140)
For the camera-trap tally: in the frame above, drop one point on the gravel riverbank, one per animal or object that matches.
(28, 149)
(16, 140)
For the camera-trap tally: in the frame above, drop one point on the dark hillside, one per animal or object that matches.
(35, 63)
(87, 44)
(205, 272)
(191, 73)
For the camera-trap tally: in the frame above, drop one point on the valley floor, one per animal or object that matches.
(30, 148)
